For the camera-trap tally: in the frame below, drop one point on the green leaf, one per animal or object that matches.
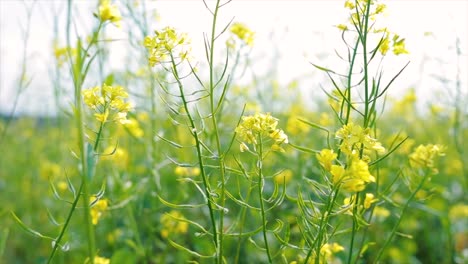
(123, 256)
(109, 79)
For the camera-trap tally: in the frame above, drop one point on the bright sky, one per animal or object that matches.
(303, 32)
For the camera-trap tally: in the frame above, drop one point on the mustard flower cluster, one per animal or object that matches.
(258, 127)
(424, 156)
(390, 41)
(166, 43)
(357, 145)
(109, 103)
(242, 33)
(171, 224)
(98, 260)
(108, 12)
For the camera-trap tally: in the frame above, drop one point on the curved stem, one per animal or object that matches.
(395, 227)
(199, 153)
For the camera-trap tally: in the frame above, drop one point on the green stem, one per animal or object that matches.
(217, 137)
(363, 37)
(395, 227)
(260, 196)
(241, 224)
(353, 234)
(199, 153)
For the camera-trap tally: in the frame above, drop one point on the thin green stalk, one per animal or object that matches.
(217, 137)
(395, 227)
(241, 224)
(260, 196)
(67, 222)
(199, 153)
(353, 234)
(363, 37)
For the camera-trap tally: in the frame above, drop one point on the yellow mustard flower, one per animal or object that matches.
(354, 178)
(261, 126)
(109, 12)
(355, 137)
(424, 156)
(243, 33)
(134, 128)
(108, 102)
(166, 43)
(458, 211)
(283, 177)
(97, 209)
(118, 156)
(369, 200)
(326, 157)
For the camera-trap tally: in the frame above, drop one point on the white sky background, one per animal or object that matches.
(304, 32)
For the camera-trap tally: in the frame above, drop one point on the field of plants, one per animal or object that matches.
(180, 159)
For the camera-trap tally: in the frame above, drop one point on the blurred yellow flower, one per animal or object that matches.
(97, 209)
(109, 12)
(172, 223)
(283, 177)
(243, 33)
(424, 156)
(187, 171)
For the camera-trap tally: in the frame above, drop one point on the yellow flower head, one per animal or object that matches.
(284, 176)
(261, 126)
(354, 178)
(354, 137)
(109, 12)
(325, 158)
(108, 102)
(165, 44)
(369, 200)
(243, 33)
(97, 209)
(424, 156)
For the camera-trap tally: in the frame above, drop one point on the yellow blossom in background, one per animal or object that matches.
(458, 212)
(187, 171)
(381, 212)
(295, 126)
(134, 128)
(369, 200)
(109, 12)
(241, 32)
(171, 224)
(61, 54)
(97, 209)
(328, 250)
(261, 126)
(49, 170)
(118, 156)
(325, 158)
(166, 43)
(424, 156)
(284, 176)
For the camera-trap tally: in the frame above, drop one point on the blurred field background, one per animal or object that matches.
(148, 168)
